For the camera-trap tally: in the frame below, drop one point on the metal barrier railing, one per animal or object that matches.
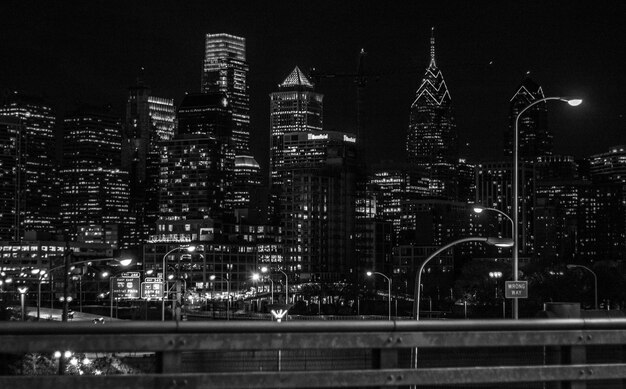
(350, 353)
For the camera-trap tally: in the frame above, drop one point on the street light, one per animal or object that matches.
(212, 278)
(595, 281)
(573, 103)
(265, 269)
(498, 242)
(23, 290)
(479, 209)
(189, 249)
(66, 265)
(370, 273)
(497, 275)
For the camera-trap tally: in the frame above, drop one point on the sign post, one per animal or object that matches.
(151, 290)
(125, 286)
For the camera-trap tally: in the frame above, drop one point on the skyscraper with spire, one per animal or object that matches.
(432, 136)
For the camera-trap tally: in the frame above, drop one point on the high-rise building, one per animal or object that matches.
(95, 193)
(534, 138)
(296, 107)
(432, 136)
(601, 224)
(494, 190)
(197, 165)
(609, 166)
(556, 209)
(149, 120)
(9, 134)
(318, 204)
(225, 70)
(397, 184)
(36, 169)
(246, 199)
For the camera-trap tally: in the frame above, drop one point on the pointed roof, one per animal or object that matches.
(296, 79)
(528, 88)
(433, 89)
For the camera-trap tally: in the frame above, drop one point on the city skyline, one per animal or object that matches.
(570, 55)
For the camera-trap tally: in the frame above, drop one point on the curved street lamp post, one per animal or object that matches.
(68, 268)
(573, 103)
(499, 242)
(265, 269)
(595, 281)
(212, 277)
(164, 269)
(369, 274)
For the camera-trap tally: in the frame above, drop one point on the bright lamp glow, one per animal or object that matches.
(126, 262)
(256, 277)
(369, 273)
(478, 209)
(575, 102)
(212, 277)
(191, 249)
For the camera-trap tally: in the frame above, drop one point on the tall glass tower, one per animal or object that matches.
(294, 108)
(149, 120)
(432, 136)
(36, 164)
(95, 192)
(225, 70)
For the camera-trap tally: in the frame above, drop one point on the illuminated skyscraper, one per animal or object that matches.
(9, 133)
(95, 194)
(35, 194)
(294, 108)
(318, 204)
(432, 136)
(149, 120)
(197, 164)
(225, 70)
(535, 140)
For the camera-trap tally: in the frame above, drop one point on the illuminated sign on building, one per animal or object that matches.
(350, 139)
(317, 137)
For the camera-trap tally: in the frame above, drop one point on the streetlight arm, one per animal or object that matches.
(595, 281)
(418, 278)
(501, 213)
(535, 103)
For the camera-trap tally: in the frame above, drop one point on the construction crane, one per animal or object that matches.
(360, 79)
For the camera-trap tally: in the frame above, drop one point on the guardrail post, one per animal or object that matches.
(169, 362)
(565, 355)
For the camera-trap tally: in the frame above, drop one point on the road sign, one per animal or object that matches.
(516, 289)
(125, 287)
(151, 290)
(153, 279)
(131, 274)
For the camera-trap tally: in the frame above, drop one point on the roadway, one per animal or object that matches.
(56, 314)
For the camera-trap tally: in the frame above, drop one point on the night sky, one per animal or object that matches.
(91, 52)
